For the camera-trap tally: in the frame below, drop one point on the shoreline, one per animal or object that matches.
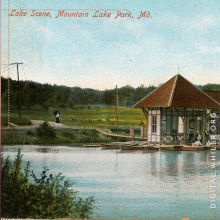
(99, 145)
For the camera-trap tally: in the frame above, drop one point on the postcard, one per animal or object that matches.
(110, 109)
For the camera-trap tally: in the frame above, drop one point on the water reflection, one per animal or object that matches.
(47, 150)
(171, 165)
(131, 184)
(153, 162)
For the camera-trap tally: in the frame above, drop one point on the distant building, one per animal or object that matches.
(178, 112)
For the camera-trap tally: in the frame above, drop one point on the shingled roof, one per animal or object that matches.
(214, 94)
(178, 93)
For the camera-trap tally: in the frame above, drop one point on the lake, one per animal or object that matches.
(136, 184)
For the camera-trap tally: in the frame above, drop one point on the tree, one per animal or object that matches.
(140, 93)
(28, 95)
(109, 97)
(46, 197)
(126, 96)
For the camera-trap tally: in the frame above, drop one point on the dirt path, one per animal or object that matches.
(34, 124)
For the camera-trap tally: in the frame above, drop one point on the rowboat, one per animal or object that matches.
(91, 145)
(170, 147)
(152, 147)
(167, 147)
(178, 147)
(131, 146)
(191, 148)
(217, 147)
(109, 146)
(143, 143)
(214, 147)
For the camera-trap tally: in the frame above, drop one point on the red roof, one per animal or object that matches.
(178, 93)
(214, 94)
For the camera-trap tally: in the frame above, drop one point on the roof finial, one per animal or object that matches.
(178, 70)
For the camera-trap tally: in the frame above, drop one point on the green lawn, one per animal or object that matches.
(14, 119)
(99, 117)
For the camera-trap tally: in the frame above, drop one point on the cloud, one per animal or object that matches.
(204, 48)
(135, 27)
(203, 22)
(155, 42)
(171, 21)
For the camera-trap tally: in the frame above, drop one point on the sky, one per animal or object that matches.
(102, 52)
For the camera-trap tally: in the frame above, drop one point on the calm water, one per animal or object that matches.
(152, 185)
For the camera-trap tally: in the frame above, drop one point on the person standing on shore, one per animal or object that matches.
(57, 115)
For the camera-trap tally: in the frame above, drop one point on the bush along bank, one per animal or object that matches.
(46, 197)
(46, 135)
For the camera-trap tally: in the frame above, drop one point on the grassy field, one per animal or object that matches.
(78, 118)
(95, 116)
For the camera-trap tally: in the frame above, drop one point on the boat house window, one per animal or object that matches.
(164, 125)
(154, 124)
(180, 125)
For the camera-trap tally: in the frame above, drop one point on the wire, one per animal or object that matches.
(8, 64)
(24, 72)
(7, 69)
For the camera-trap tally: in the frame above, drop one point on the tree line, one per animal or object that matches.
(46, 95)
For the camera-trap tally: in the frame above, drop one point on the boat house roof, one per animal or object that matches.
(214, 94)
(178, 93)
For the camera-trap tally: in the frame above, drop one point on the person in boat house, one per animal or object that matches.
(177, 112)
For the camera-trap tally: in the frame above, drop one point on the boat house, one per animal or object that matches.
(178, 112)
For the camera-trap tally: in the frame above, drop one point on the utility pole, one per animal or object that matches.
(116, 106)
(19, 98)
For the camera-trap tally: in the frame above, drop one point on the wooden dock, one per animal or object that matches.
(120, 137)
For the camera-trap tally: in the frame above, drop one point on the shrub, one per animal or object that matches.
(68, 134)
(15, 137)
(90, 136)
(47, 197)
(30, 133)
(45, 131)
(141, 123)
